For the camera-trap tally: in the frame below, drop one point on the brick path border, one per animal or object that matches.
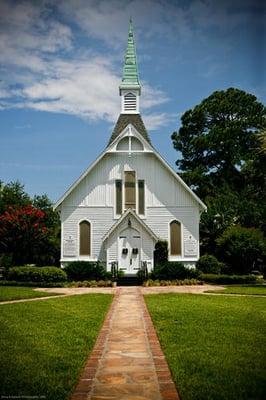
(84, 386)
(167, 387)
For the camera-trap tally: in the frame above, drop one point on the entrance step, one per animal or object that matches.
(129, 281)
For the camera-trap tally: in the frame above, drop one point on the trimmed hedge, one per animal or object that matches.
(175, 282)
(33, 284)
(36, 274)
(228, 279)
(90, 284)
(209, 264)
(86, 270)
(173, 270)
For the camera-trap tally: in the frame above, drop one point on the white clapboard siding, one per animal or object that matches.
(159, 218)
(98, 187)
(101, 219)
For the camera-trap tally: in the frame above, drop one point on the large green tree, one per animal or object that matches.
(218, 138)
(222, 146)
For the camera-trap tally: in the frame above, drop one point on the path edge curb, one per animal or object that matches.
(167, 386)
(85, 381)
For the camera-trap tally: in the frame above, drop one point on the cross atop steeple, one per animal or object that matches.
(130, 87)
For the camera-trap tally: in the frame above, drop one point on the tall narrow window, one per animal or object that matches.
(130, 190)
(175, 238)
(85, 238)
(118, 192)
(141, 188)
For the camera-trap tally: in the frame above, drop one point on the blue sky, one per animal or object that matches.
(61, 64)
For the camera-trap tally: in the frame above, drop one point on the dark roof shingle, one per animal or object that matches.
(124, 120)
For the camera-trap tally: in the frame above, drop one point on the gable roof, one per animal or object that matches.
(124, 120)
(149, 145)
(129, 213)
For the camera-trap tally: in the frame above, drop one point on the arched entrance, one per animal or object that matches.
(129, 248)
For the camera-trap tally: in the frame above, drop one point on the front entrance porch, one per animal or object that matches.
(130, 245)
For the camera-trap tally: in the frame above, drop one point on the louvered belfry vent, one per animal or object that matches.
(130, 102)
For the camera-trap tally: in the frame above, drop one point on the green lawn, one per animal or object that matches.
(20, 292)
(44, 344)
(243, 289)
(215, 345)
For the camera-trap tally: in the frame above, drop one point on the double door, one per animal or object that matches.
(129, 251)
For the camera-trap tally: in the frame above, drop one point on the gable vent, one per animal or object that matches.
(130, 102)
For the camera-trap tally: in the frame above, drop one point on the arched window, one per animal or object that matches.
(136, 144)
(85, 238)
(175, 238)
(123, 144)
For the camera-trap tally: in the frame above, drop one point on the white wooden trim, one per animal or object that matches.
(134, 215)
(146, 145)
(170, 256)
(85, 257)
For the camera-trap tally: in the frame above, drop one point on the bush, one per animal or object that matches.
(90, 284)
(242, 249)
(86, 270)
(175, 282)
(228, 279)
(33, 284)
(209, 264)
(173, 270)
(36, 274)
(161, 252)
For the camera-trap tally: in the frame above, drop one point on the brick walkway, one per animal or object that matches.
(127, 362)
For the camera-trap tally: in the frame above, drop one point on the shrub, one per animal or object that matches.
(241, 248)
(173, 270)
(33, 284)
(228, 279)
(161, 252)
(85, 270)
(36, 274)
(209, 264)
(89, 284)
(175, 282)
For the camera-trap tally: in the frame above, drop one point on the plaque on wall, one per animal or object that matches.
(69, 246)
(191, 246)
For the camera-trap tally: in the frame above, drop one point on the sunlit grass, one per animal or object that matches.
(215, 345)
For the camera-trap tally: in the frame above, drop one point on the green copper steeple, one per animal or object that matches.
(130, 77)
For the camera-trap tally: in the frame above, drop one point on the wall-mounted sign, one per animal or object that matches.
(69, 246)
(191, 246)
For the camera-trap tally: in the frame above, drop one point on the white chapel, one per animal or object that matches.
(129, 197)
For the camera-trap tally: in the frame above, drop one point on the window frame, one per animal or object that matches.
(173, 257)
(83, 256)
(122, 198)
(124, 184)
(144, 197)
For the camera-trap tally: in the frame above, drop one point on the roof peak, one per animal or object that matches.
(130, 78)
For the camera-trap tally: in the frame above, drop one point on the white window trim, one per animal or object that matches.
(170, 256)
(87, 257)
(117, 216)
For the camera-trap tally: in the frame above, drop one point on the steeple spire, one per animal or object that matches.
(130, 70)
(130, 87)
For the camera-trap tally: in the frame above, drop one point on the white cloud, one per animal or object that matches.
(42, 69)
(155, 121)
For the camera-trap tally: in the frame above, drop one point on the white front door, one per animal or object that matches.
(129, 251)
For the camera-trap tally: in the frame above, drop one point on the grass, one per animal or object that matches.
(215, 345)
(242, 289)
(44, 344)
(20, 292)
